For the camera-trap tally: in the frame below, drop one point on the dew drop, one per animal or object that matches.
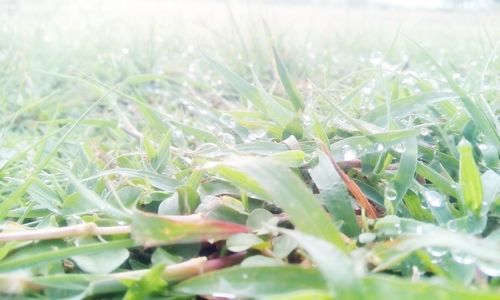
(436, 251)
(211, 127)
(307, 120)
(463, 258)
(482, 147)
(452, 225)
(178, 137)
(408, 81)
(376, 58)
(425, 131)
(349, 153)
(397, 227)
(400, 147)
(390, 193)
(366, 90)
(223, 296)
(258, 132)
(228, 140)
(366, 237)
(228, 121)
(379, 147)
(434, 198)
(489, 269)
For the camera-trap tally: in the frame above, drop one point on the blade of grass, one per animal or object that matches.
(290, 88)
(278, 184)
(471, 188)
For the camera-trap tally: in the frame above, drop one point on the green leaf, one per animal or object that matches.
(414, 207)
(440, 182)
(92, 197)
(278, 184)
(406, 171)
(188, 199)
(405, 106)
(151, 230)
(242, 241)
(292, 158)
(491, 188)
(290, 88)
(246, 89)
(319, 131)
(161, 182)
(161, 157)
(55, 250)
(44, 195)
(334, 194)
(295, 128)
(386, 139)
(148, 284)
(415, 235)
(253, 282)
(380, 286)
(102, 262)
(276, 111)
(469, 179)
(335, 266)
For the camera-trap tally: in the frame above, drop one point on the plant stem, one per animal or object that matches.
(86, 229)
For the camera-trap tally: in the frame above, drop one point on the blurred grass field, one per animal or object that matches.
(109, 109)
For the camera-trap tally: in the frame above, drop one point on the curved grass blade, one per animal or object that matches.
(491, 188)
(380, 286)
(405, 106)
(51, 251)
(334, 194)
(335, 266)
(278, 184)
(290, 88)
(406, 170)
(440, 182)
(254, 282)
(256, 94)
(161, 182)
(352, 187)
(387, 139)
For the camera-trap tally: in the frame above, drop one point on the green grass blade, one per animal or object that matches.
(255, 282)
(342, 282)
(334, 194)
(471, 187)
(278, 184)
(290, 88)
(52, 254)
(406, 170)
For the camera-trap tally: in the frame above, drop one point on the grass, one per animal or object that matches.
(258, 151)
